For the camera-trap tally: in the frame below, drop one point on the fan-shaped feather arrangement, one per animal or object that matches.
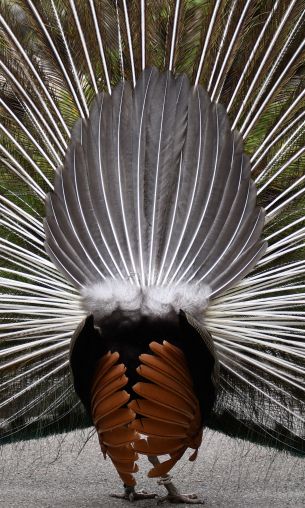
(163, 144)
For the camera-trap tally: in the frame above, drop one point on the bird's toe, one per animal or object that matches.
(131, 495)
(180, 499)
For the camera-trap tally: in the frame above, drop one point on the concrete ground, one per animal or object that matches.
(58, 472)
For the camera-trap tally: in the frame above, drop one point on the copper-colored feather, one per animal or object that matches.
(179, 365)
(164, 414)
(158, 446)
(155, 428)
(120, 417)
(106, 362)
(162, 469)
(151, 391)
(115, 385)
(164, 381)
(167, 412)
(120, 436)
(166, 392)
(161, 366)
(111, 418)
(110, 404)
(123, 454)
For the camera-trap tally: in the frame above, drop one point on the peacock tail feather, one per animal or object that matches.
(241, 62)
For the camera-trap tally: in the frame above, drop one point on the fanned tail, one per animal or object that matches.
(61, 60)
(201, 234)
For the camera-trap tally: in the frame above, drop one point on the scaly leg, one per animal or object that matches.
(131, 495)
(173, 495)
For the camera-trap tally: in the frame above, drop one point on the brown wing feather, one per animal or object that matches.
(170, 389)
(164, 381)
(111, 417)
(163, 414)
(167, 412)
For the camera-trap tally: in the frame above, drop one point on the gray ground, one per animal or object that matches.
(57, 473)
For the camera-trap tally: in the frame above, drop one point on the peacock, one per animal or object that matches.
(152, 225)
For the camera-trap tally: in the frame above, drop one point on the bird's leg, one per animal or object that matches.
(131, 495)
(173, 495)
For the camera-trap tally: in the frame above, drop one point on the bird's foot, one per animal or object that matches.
(180, 498)
(131, 495)
(174, 495)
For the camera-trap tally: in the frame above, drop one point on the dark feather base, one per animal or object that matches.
(131, 338)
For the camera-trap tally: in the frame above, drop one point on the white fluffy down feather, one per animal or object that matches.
(104, 298)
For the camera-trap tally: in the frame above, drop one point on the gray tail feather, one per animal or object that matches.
(155, 189)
